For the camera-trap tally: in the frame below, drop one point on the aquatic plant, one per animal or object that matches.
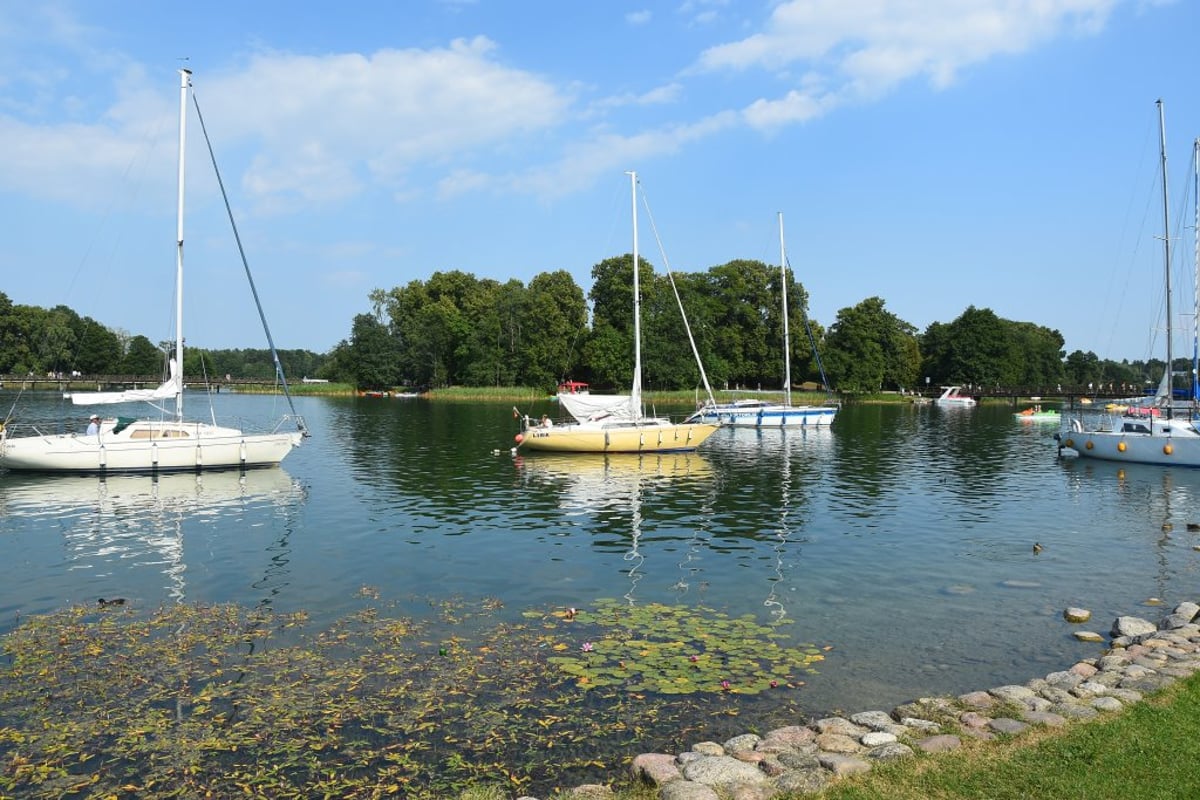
(218, 700)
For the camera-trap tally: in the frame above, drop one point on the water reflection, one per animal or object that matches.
(612, 488)
(112, 523)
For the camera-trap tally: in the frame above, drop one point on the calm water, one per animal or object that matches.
(902, 537)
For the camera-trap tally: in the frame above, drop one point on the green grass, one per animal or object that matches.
(1146, 752)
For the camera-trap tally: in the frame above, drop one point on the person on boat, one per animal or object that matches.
(93, 428)
(546, 421)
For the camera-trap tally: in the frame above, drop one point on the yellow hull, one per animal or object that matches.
(650, 438)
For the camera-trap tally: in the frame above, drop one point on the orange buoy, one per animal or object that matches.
(1121, 447)
(1168, 449)
(1088, 445)
(519, 438)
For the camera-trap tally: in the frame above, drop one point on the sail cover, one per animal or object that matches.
(594, 407)
(167, 389)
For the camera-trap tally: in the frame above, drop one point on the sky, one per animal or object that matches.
(938, 154)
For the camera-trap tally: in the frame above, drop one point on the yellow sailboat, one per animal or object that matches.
(615, 423)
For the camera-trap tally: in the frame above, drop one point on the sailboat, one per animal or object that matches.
(615, 423)
(754, 413)
(165, 444)
(1143, 438)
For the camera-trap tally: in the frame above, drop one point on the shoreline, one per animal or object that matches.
(1142, 658)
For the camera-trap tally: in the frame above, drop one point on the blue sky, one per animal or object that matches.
(935, 153)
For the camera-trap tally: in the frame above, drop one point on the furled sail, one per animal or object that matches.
(594, 407)
(166, 390)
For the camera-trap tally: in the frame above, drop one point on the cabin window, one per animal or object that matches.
(1135, 427)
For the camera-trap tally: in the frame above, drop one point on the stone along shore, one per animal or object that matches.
(1142, 658)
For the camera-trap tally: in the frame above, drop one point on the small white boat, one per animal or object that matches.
(1145, 435)
(761, 413)
(952, 397)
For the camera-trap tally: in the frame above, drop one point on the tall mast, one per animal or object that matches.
(185, 82)
(787, 344)
(1162, 138)
(1196, 269)
(636, 393)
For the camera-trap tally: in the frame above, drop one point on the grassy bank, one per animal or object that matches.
(1145, 752)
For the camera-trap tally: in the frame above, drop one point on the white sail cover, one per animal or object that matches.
(594, 407)
(166, 390)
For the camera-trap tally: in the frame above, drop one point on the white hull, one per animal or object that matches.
(952, 397)
(1171, 442)
(765, 415)
(146, 446)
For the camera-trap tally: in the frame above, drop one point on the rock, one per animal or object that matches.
(1008, 726)
(1190, 609)
(746, 741)
(838, 743)
(889, 752)
(840, 764)
(686, 790)
(1107, 703)
(977, 700)
(718, 771)
(840, 726)
(790, 736)
(807, 781)
(708, 749)
(1132, 627)
(656, 768)
(591, 791)
(877, 739)
(1073, 614)
(939, 744)
(1013, 694)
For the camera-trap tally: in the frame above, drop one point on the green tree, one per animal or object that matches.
(550, 328)
(869, 349)
(372, 354)
(142, 358)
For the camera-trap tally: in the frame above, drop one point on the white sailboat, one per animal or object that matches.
(615, 423)
(755, 413)
(166, 444)
(1145, 438)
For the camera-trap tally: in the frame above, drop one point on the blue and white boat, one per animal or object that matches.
(756, 413)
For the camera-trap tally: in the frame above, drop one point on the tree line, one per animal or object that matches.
(456, 329)
(58, 341)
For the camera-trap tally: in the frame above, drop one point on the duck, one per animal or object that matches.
(116, 601)
(1037, 547)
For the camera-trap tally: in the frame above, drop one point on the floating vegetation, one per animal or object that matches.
(673, 650)
(219, 700)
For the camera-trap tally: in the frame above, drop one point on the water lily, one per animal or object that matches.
(774, 684)
(725, 685)
(694, 659)
(588, 647)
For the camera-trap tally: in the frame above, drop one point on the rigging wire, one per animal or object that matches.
(279, 376)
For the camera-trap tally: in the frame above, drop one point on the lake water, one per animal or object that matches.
(901, 538)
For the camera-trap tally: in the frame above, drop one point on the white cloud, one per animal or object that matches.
(864, 48)
(638, 17)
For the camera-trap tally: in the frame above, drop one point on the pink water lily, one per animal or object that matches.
(725, 685)
(588, 647)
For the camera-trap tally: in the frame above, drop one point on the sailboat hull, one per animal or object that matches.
(618, 438)
(147, 446)
(765, 415)
(1164, 442)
